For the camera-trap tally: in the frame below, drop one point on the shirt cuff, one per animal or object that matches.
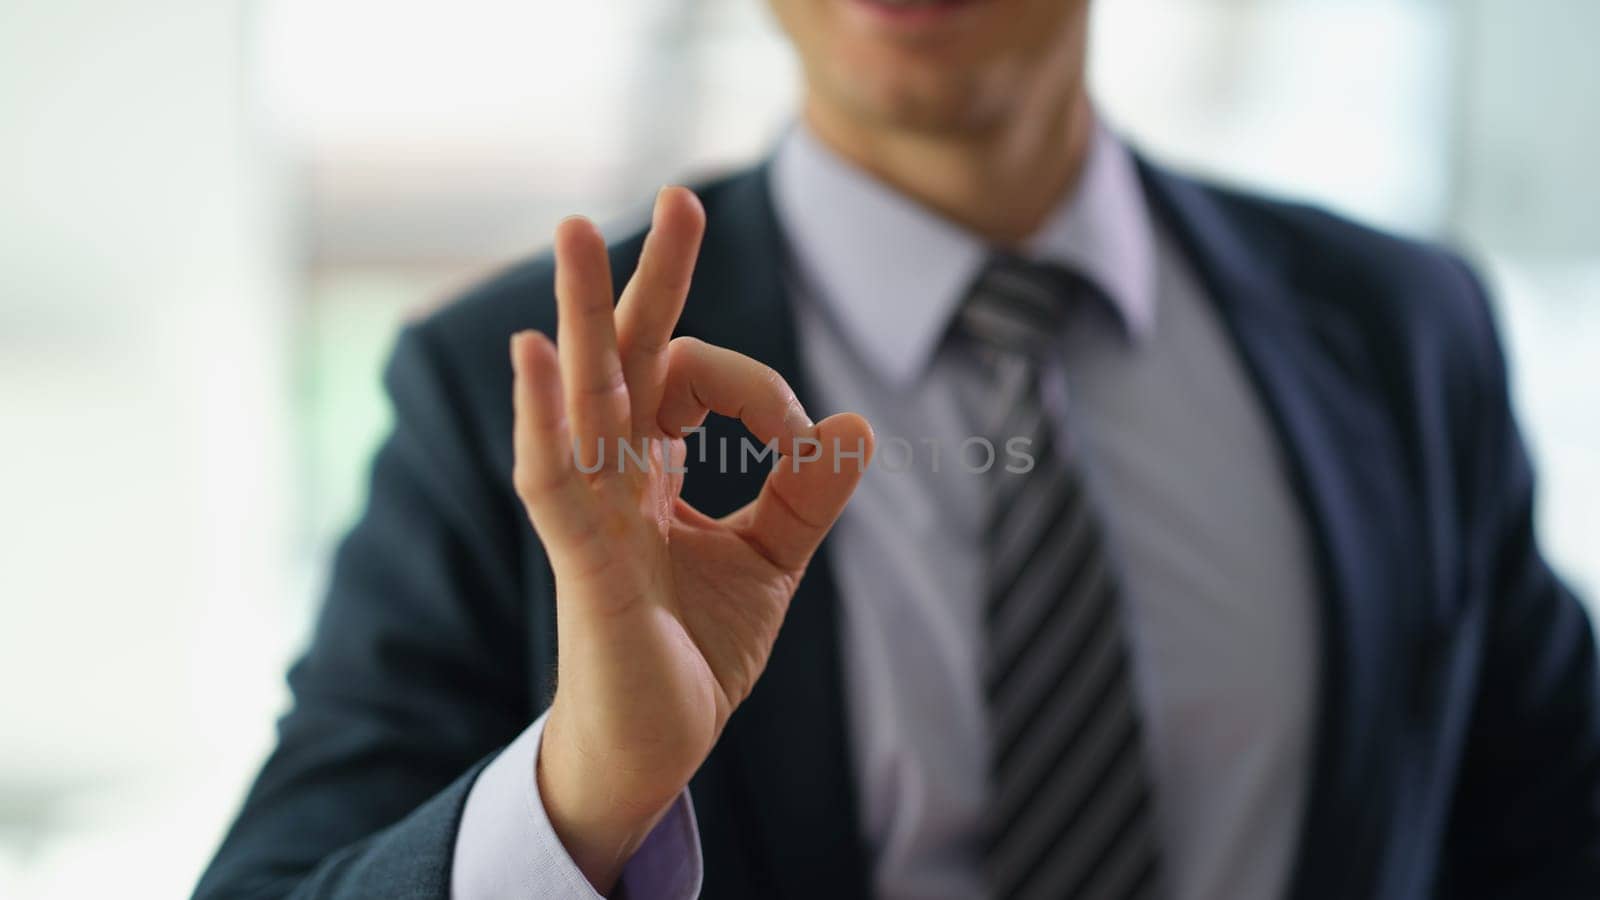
(506, 848)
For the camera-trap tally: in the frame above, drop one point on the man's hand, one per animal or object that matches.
(665, 616)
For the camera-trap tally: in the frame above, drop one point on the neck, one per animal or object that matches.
(1000, 182)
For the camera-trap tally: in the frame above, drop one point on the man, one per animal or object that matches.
(1247, 605)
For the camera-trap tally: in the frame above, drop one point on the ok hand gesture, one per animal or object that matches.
(665, 616)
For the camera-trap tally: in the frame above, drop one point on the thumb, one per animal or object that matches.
(804, 495)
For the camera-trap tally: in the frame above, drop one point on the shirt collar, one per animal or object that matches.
(892, 272)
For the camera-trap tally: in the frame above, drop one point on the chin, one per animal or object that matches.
(916, 95)
(932, 106)
(931, 65)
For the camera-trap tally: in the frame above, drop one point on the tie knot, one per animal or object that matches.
(1017, 306)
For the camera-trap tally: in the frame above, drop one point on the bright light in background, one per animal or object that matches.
(218, 210)
(354, 74)
(143, 288)
(1550, 317)
(1347, 104)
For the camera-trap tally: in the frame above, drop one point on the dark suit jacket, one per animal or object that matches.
(1458, 727)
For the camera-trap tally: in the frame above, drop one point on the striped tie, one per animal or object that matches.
(1070, 814)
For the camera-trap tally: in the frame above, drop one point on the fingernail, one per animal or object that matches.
(516, 358)
(797, 420)
(660, 204)
(568, 221)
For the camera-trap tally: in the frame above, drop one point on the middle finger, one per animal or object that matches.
(586, 340)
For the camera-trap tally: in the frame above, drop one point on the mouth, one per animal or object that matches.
(915, 14)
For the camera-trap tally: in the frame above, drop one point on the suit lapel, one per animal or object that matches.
(1344, 466)
(784, 757)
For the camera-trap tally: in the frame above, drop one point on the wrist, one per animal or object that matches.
(599, 827)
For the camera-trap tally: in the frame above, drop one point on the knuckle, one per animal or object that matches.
(595, 308)
(531, 486)
(613, 382)
(675, 279)
(665, 277)
(632, 345)
(685, 345)
(526, 485)
(777, 387)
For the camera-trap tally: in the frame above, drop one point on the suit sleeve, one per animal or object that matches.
(1526, 822)
(418, 670)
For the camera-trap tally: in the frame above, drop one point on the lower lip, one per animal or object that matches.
(919, 15)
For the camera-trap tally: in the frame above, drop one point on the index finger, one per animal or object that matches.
(702, 378)
(654, 297)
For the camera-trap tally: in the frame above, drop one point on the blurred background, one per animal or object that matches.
(215, 213)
